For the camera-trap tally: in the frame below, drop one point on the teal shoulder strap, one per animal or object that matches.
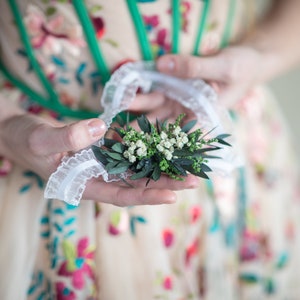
(201, 27)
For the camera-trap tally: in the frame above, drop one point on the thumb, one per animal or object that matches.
(188, 66)
(47, 140)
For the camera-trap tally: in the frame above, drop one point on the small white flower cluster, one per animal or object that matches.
(135, 149)
(167, 145)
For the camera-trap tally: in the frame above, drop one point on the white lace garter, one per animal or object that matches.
(68, 182)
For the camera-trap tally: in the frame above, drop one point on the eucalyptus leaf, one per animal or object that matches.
(143, 173)
(118, 147)
(188, 126)
(144, 124)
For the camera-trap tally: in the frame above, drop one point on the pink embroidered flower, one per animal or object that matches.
(151, 22)
(168, 237)
(195, 213)
(5, 166)
(167, 283)
(79, 262)
(54, 35)
(63, 293)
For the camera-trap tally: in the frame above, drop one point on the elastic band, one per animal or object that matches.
(139, 25)
(91, 40)
(175, 25)
(229, 23)
(202, 24)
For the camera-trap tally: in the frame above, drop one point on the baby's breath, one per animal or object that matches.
(158, 149)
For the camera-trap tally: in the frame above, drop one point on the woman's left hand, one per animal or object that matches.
(232, 71)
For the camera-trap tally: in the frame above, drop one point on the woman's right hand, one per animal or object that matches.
(39, 145)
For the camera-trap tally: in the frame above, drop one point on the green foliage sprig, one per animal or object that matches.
(161, 148)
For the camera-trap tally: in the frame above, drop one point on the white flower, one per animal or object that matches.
(185, 139)
(179, 144)
(163, 135)
(168, 154)
(132, 158)
(126, 154)
(141, 152)
(176, 130)
(131, 149)
(140, 143)
(160, 148)
(167, 144)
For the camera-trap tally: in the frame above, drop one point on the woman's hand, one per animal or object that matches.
(39, 145)
(232, 71)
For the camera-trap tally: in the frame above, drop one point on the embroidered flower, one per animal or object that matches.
(78, 263)
(55, 35)
(119, 222)
(63, 293)
(99, 27)
(168, 237)
(191, 251)
(5, 166)
(195, 213)
(168, 283)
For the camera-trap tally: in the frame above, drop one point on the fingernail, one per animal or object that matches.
(96, 128)
(167, 65)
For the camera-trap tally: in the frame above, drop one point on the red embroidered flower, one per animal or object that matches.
(98, 26)
(191, 251)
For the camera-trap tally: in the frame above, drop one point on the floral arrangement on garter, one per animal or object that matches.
(160, 148)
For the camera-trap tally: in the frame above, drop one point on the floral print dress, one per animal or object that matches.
(235, 237)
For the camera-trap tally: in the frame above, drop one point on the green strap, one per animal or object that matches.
(202, 24)
(29, 51)
(229, 23)
(175, 25)
(140, 30)
(90, 35)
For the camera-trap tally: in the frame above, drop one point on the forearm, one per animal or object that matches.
(277, 38)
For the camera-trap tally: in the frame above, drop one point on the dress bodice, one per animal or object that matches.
(122, 31)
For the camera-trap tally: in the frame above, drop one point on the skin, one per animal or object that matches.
(39, 144)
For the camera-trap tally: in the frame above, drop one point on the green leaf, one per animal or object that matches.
(118, 147)
(188, 126)
(109, 143)
(114, 155)
(111, 165)
(223, 136)
(223, 143)
(183, 161)
(178, 168)
(100, 156)
(205, 168)
(120, 168)
(144, 123)
(156, 173)
(120, 121)
(140, 174)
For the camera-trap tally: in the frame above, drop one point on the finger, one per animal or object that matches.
(123, 196)
(187, 66)
(47, 140)
(147, 102)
